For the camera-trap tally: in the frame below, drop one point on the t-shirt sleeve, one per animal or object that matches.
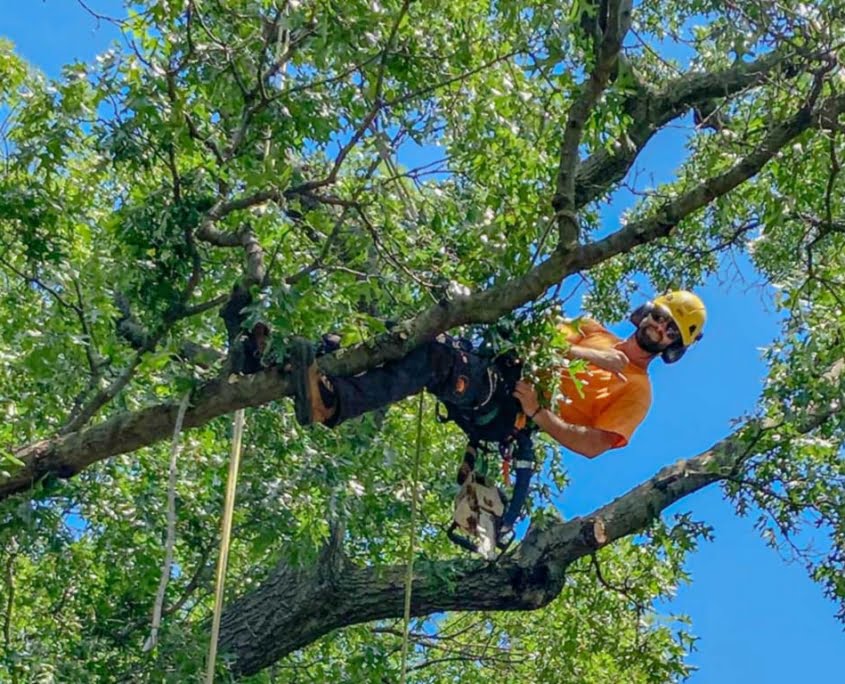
(624, 414)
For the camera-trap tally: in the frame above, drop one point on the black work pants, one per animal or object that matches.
(430, 366)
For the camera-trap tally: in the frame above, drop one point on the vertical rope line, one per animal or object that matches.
(225, 536)
(409, 575)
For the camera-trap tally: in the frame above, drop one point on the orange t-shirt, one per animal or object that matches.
(608, 403)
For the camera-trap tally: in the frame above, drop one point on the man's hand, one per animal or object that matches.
(613, 360)
(585, 440)
(527, 397)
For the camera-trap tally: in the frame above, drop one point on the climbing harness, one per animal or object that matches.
(497, 416)
(482, 511)
(225, 536)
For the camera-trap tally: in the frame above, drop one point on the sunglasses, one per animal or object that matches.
(673, 332)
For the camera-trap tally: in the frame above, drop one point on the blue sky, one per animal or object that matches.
(758, 619)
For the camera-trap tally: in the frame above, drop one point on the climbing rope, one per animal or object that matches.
(225, 536)
(170, 539)
(409, 575)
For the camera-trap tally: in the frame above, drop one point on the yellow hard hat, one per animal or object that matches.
(688, 312)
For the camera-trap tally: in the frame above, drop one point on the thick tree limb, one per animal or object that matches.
(615, 16)
(651, 111)
(126, 432)
(294, 607)
(663, 221)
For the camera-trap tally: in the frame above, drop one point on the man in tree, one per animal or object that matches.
(602, 414)
(613, 401)
(616, 394)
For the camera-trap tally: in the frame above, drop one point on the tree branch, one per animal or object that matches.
(94, 361)
(10, 600)
(200, 355)
(661, 223)
(32, 280)
(202, 307)
(651, 111)
(378, 104)
(617, 21)
(70, 453)
(105, 395)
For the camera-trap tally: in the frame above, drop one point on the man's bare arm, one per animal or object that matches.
(613, 360)
(587, 441)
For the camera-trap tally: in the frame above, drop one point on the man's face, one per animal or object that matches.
(657, 331)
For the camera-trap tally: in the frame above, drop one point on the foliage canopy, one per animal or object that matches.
(441, 163)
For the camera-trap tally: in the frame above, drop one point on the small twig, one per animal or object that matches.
(204, 306)
(385, 155)
(386, 253)
(40, 284)
(106, 395)
(831, 180)
(100, 17)
(192, 585)
(403, 99)
(93, 361)
(318, 263)
(768, 491)
(209, 143)
(654, 53)
(174, 173)
(378, 104)
(342, 76)
(619, 590)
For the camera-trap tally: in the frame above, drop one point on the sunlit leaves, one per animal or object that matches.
(109, 171)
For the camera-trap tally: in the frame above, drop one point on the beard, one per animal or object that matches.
(646, 343)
